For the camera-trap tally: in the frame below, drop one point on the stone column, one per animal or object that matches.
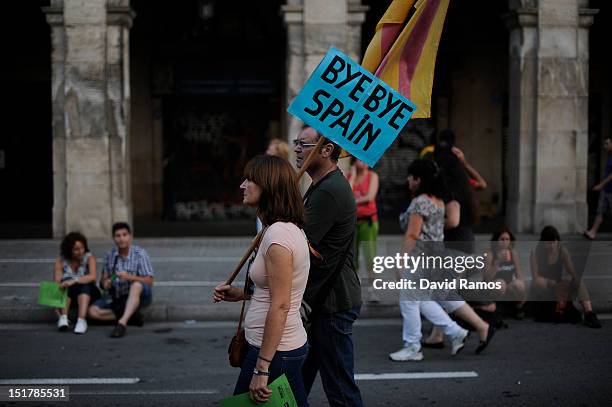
(312, 27)
(55, 18)
(522, 73)
(119, 19)
(548, 115)
(90, 90)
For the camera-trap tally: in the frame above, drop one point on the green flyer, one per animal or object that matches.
(52, 295)
(282, 396)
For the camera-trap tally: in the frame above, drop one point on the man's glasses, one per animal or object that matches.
(301, 144)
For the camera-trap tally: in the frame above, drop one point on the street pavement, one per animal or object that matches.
(185, 364)
(179, 358)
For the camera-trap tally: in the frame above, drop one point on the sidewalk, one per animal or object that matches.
(186, 270)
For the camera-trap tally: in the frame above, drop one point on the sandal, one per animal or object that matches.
(483, 344)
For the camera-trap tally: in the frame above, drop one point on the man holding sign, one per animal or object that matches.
(333, 291)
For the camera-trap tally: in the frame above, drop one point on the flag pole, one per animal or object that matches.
(257, 238)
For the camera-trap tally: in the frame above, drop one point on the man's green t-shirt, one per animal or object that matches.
(330, 227)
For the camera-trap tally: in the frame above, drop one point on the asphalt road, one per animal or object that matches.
(179, 364)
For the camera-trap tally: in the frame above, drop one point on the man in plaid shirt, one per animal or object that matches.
(128, 276)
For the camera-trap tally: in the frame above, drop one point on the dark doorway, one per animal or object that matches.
(217, 71)
(26, 174)
(600, 102)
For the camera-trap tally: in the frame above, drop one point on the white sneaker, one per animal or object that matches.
(81, 326)
(409, 352)
(62, 323)
(458, 342)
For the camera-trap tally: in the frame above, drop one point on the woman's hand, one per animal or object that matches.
(225, 292)
(258, 389)
(68, 284)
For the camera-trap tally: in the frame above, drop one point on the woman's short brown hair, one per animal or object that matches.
(280, 199)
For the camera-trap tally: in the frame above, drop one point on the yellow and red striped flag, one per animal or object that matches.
(405, 56)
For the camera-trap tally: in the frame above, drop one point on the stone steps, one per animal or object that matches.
(186, 270)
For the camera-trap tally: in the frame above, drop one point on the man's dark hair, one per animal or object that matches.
(121, 225)
(68, 243)
(335, 155)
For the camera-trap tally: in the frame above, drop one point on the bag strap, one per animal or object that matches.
(114, 270)
(246, 286)
(246, 278)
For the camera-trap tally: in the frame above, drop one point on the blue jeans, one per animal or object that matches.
(331, 351)
(288, 362)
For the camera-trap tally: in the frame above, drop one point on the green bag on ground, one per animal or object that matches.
(282, 396)
(51, 295)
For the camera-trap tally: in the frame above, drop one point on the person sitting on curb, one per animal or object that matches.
(503, 265)
(128, 276)
(75, 270)
(548, 261)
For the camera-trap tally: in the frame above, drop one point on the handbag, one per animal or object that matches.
(238, 345)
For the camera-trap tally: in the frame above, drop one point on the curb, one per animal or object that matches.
(162, 312)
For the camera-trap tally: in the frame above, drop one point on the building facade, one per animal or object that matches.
(155, 107)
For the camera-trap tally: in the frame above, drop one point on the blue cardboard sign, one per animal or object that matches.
(352, 107)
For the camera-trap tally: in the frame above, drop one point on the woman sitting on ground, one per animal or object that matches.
(502, 265)
(75, 270)
(548, 261)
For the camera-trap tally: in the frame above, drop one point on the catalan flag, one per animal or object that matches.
(404, 54)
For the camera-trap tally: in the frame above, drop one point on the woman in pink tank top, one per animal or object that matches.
(277, 341)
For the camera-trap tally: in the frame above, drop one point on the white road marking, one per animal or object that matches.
(157, 284)
(143, 392)
(412, 376)
(66, 381)
(184, 259)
